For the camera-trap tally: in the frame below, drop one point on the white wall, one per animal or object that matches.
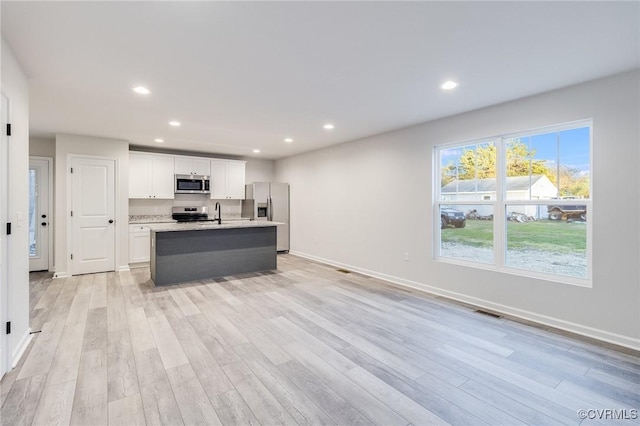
(364, 203)
(91, 146)
(259, 170)
(42, 147)
(16, 88)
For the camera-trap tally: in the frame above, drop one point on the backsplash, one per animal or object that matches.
(149, 218)
(158, 210)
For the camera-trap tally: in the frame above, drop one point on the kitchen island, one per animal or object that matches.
(183, 252)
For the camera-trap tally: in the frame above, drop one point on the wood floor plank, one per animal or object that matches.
(126, 411)
(60, 308)
(375, 410)
(50, 295)
(67, 357)
(331, 356)
(226, 328)
(22, 401)
(224, 294)
(192, 400)
(375, 351)
(232, 409)
(55, 405)
(95, 332)
(44, 349)
(116, 311)
(141, 335)
(300, 407)
(532, 398)
(80, 304)
(168, 345)
(99, 292)
(512, 377)
(182, 300)
(159, 403)
(336, 406)
(514, 408)
(403, 405)
(610, 379)
(210, 374)
(597, 398)
(263, 404)
(256, 332)
(10, 376)
(90, 402)
(122, 378)
(213, 340)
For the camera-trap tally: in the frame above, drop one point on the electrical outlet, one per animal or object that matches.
(406, 256)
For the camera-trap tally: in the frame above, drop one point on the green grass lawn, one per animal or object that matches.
(543, 235)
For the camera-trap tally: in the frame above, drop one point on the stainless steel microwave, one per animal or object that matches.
(192, 184)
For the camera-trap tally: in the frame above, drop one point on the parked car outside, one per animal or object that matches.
(451, 216)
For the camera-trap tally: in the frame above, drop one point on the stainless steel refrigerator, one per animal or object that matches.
(269, 201)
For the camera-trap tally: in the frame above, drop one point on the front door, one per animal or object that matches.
(38, 215)
(93, 220)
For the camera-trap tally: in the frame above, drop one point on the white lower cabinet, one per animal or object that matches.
(139, 243)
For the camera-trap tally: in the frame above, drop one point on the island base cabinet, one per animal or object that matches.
(181, 256)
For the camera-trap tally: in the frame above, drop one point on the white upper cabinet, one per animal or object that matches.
(227, 179)
(235, 179)
(151, 176)
(192, 165)
(218, 179)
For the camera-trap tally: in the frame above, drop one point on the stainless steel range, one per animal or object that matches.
(190, 214)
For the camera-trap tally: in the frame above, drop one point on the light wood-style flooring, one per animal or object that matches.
(305, 344)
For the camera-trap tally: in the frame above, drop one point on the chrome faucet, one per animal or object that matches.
(219, 210)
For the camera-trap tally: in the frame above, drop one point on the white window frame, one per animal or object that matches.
(500, 203)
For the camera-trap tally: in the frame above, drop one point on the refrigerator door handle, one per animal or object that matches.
(268, 208)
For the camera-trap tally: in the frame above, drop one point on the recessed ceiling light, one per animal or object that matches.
(288, 140)
(328, 126)
(174, 123)
(158, 140)
(256, 151)
(448, 85)
(141, 90)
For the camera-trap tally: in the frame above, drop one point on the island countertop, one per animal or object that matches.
(195, 226)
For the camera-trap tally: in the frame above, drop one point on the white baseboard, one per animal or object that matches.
(60, 275)
(122, 268)
(595, 333)
(22, 346)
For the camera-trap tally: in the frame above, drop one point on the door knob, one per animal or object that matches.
(44, 224)
(110, 220)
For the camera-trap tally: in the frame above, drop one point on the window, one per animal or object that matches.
(518, 202)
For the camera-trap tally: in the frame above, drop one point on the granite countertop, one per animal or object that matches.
(226, 224)
(151, 219)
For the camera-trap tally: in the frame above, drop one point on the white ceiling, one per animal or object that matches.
(245, 75)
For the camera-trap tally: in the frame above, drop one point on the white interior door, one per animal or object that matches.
(4, 215)
(39, 228)
(93, 220)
